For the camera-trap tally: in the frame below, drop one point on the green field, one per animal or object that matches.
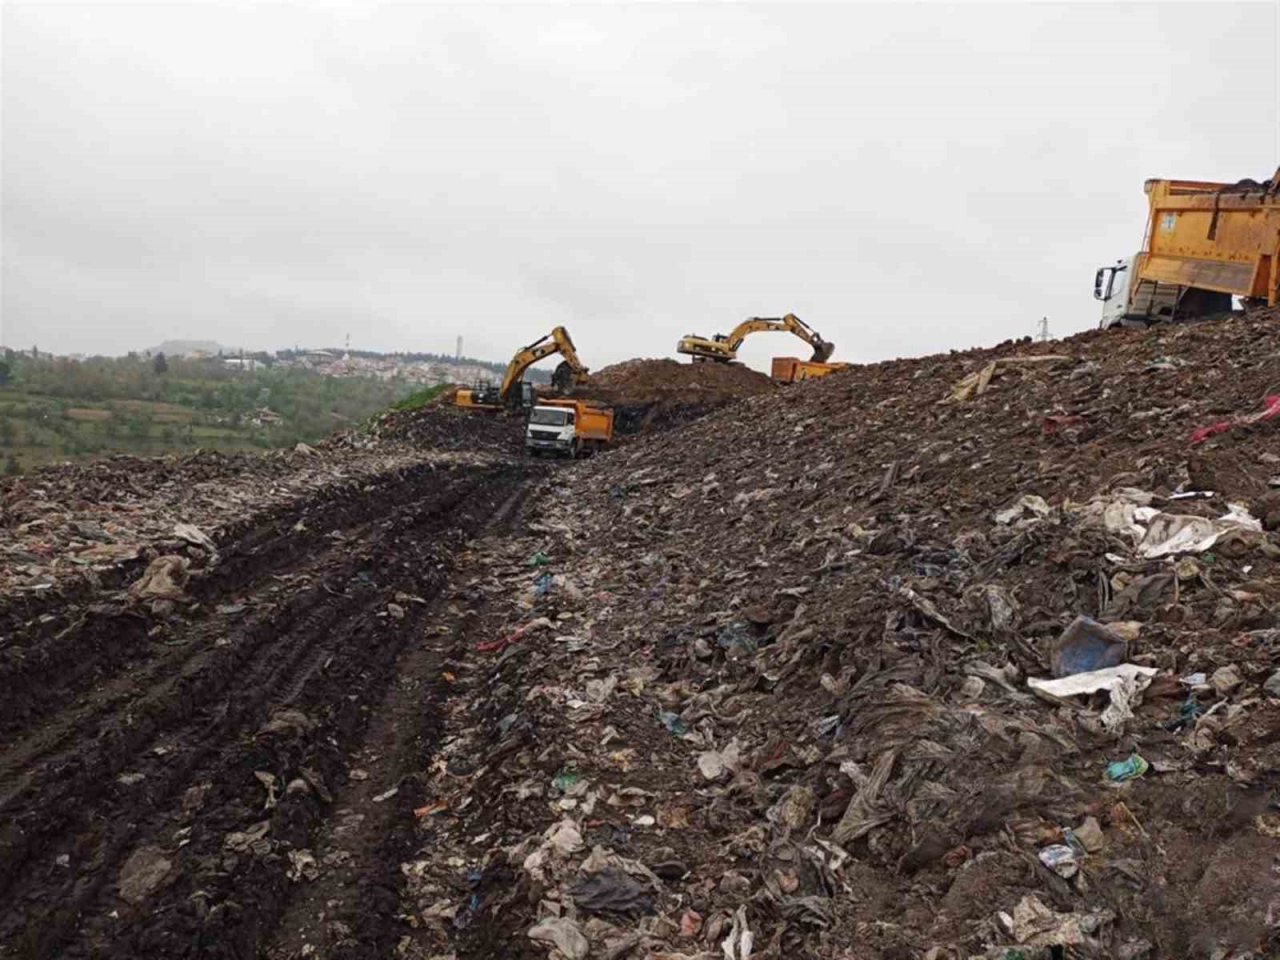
(55, 410)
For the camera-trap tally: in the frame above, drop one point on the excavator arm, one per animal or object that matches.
(569, 373)
(724, 348)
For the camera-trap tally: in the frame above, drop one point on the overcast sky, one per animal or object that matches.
(907, 179)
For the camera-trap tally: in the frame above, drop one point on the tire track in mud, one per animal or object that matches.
(353, 909)
(170, 772)
(62, 649)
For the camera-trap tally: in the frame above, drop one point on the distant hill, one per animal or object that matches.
(184, 348)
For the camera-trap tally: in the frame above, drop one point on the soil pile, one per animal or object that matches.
(653, 394)
(441, 426)
(82, 526)
(806, 678)
(765, 689)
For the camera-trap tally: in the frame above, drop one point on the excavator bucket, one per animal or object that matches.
(822, 350)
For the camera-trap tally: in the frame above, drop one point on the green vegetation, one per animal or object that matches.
(59, 409)
(420, 398)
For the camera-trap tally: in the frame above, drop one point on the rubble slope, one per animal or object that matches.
(759, 686)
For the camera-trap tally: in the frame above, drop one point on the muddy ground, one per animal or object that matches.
(165, 764)
(752, 688)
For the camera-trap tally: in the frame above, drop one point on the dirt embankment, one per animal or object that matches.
(753, 687)
(651, 395)
(173, 749)
(778, 704)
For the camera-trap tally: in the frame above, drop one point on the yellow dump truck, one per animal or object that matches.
(793, 369)
(569, 427)
(1205, 244)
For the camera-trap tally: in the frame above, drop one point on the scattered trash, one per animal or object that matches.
(497, 646)
(673, 723)
(1032, 924)
(740, 941)
(566, 779)
(1129, 769)
(142, 873)
(1062, 859)
(714, 764)
(1226, 679)
(1087, 645)
(976, 384)
(612, 890)
(427, 809)
(1270, 409)
(834, 625)
(1168, 534)
(268, 780)
(1027, 505)
(1272, 685)
(564, 934)
(302, 866)
(250, 840)
(164, 579)
(386, 795)
(194, 535)
(1090, 835)
(1123, 684)
(690, 924)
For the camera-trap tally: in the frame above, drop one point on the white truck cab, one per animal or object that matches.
(1111, 286)
(1130, 301)
(551, 428)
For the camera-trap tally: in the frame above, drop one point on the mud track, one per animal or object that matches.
(161, 777)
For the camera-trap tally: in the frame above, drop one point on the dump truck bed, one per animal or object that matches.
(1215, 236)
(793, 369)
(595, 423)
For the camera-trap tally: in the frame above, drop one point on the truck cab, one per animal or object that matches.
(568, 427)
(1132, 300)
(551, 429)
(1111, 286)
(1205, 244)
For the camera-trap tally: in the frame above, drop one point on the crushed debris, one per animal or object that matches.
(837, 670)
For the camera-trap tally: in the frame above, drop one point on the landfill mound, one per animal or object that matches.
(191, 649)
(971, 655)
(442, 426)
(763, 686)
(654, 394)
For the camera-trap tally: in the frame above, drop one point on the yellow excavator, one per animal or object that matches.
(568, 373)
(723, 348)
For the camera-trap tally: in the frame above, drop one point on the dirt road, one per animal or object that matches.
(163, 775)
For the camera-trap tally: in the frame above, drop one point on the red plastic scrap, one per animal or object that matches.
(495, 646)
(1270, 409)
(1060, 423)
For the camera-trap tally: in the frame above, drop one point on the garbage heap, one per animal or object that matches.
(649, 395)
(77, 529)
(973, 655)
(440, 425)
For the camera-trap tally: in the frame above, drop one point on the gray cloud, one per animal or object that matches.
(906, 178)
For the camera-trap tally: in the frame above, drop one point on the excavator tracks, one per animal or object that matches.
(161, 777)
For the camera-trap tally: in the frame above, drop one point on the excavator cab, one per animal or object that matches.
(515, 392)
(723, 348)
